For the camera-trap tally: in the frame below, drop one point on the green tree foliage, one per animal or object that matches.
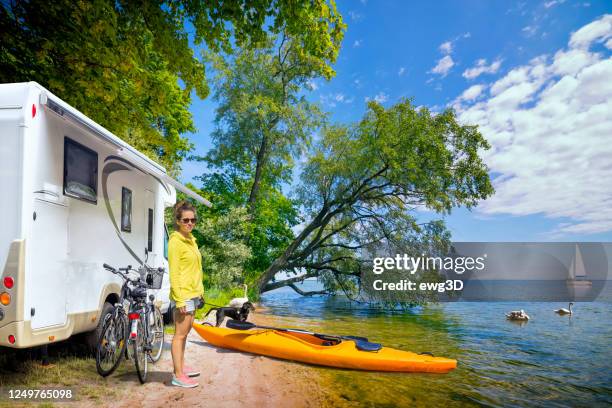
(362, 185)
(119, 63)
(263, 120)
(129, 66)
(268, 230)
(224, 249)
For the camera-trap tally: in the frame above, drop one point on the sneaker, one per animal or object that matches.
(184, 381)
(190, 372)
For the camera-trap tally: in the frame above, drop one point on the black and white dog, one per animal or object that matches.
(235, 313)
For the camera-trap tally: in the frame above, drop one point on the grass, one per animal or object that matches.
(71, 366)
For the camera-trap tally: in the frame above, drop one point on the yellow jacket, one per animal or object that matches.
(185, 263)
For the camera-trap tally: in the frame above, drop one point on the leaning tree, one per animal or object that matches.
(369, 183)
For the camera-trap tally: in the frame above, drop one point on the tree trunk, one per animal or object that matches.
(278, 264)
(261, 157)
(279, 284)
(281, 262)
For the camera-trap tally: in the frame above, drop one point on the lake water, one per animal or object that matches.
(551, 361)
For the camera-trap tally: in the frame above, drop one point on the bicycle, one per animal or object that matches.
(142, 327)
(147, 320)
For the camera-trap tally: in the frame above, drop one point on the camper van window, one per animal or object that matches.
(80, 171)
(150, 231)
(126, 209)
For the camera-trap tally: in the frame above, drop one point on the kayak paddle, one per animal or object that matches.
(360, 342)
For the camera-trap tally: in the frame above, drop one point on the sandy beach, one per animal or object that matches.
(228, 379)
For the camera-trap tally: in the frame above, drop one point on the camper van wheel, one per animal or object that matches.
(93, 336)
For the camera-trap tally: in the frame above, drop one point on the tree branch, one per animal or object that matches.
(309, 293)
(275, 285)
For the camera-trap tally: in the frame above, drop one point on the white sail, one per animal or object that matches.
(579, 269)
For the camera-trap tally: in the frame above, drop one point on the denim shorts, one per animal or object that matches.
(191, 305)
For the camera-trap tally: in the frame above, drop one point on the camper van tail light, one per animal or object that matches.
(8, 282)
(33, 110)
(5, 298)
(134, 316)
(11, 339)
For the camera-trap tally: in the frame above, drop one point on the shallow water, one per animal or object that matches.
(551, 361)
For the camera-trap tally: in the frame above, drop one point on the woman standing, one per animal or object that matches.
(186, 288)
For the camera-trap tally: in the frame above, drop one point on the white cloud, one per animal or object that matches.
(312, 84)
(401, 71)
(530, 30)
(381, 97)
(357, 43)
(481, 67)
(550, 129)
(599, 30)
(333, 99)
(472, 92)
(443, 66)
(446, 47)
(355, 16)
(549, 4)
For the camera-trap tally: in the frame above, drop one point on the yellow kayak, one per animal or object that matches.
(308, 348)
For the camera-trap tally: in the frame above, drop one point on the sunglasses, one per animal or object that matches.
(187, 220)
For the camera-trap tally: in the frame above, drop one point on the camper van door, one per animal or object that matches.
(47, 255)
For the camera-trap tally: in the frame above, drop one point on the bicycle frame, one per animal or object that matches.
(140, 319)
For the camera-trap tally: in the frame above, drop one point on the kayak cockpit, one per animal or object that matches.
(310, 339)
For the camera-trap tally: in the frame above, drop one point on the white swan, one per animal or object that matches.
(238, 302)
(564, 311)
(517, 315)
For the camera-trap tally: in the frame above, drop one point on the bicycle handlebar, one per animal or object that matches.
(108, 267)
(123, 273)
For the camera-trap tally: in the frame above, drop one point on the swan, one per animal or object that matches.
(564, 311)
(238, 302)
(517, 315)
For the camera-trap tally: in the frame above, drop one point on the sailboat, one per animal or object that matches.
(577, 272)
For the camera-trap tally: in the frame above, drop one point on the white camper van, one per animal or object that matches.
(73, 196)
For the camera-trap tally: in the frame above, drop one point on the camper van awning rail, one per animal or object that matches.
(186, 190)
(97, 130)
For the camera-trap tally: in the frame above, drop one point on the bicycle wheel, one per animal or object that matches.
(156, 335)
(139, 352)
(111, 344)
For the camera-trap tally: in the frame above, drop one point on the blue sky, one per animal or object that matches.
(536, 77)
